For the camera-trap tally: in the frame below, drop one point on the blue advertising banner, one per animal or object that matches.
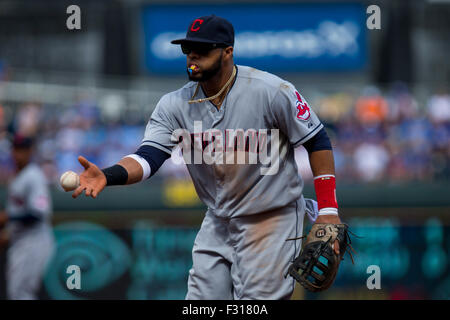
(272, 37)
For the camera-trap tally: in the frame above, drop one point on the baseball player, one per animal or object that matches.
(237, 127)
(27, 225)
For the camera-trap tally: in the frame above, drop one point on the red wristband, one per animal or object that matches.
(325, 186)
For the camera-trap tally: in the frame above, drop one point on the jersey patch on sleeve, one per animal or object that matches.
(41, 203)
(302, 107)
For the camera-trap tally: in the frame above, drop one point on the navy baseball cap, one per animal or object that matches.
(209, 29)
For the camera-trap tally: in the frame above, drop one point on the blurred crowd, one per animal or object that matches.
(377, 136)
(387, 136)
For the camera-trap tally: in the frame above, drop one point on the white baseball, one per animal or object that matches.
(69, 180)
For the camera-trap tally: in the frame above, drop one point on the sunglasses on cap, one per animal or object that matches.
(200, 48)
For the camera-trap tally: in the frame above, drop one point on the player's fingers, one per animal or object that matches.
(95, 192)
(78, 191)
(84, 162)
(336, 247)
(88, 191)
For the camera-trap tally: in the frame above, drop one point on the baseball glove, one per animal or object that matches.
(317, 265)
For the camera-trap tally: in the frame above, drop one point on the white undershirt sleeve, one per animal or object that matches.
(144, 164)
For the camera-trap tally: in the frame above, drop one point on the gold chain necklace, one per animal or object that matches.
(222, 99)
(233, 74)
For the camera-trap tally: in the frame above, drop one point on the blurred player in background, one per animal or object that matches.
(25, 225)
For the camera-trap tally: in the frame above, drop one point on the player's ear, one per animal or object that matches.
(228, 51)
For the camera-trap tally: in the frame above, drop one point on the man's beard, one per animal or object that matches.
(208, 74)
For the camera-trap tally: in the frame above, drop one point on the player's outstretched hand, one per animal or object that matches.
(92, 180)
(330, 219)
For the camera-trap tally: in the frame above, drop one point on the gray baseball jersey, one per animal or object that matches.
(262, 117)
(241, 160)
(31, 245)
